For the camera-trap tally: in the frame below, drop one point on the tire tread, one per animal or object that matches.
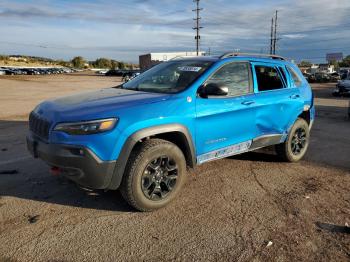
(135, 157)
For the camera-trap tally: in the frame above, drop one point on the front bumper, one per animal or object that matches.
(76, 163)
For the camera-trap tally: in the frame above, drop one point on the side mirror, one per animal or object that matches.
(213, 89)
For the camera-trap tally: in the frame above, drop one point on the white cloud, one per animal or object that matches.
(117, 27)
(294, 36)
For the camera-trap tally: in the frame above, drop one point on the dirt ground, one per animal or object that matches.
(245, 208)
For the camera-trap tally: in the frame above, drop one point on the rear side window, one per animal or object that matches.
(268, 78)
(296, 79)
(236, 76)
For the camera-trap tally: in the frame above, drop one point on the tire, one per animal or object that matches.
(154, 175)
(298, 137)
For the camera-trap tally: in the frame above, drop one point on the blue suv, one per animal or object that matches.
(142, 136)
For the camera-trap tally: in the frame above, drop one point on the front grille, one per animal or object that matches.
(39, 126)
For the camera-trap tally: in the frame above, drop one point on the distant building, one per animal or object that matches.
(319, 68)
(334, 57)
(149, 60)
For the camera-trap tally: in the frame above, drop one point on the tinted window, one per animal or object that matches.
(268, 78)
(235, 76)
(295, 77)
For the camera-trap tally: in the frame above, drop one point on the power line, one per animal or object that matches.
(271, 37)
(197, 27)
(275, 34)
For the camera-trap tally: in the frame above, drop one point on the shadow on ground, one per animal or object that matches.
(30, 179)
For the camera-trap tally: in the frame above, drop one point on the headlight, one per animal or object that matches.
(88, 127)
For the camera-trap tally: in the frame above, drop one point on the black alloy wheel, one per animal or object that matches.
(295, 146)
(298, 142)
(159, 178)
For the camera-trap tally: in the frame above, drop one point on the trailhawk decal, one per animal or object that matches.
(225, 152)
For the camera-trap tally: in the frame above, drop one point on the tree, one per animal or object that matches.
(102, 63)
(114, 64)
(4, 57)
(334, 63)
(345, 62)
(121, 65)
(305, 64)
(63, 63)
(78, 62)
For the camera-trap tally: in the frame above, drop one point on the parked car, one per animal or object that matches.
(114, 72)
(127, 76)
(30, 71)
(311, 78)
(322, 78)
(10, 71)
(344, 74)
(334, 77)
(142, 136)
(2, 71)
(102, 72)
(342, 88)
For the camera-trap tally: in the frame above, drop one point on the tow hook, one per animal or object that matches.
(55, 171)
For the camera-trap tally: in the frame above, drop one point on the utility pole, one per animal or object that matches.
(275, 34)
(197, 27)
(271, 38)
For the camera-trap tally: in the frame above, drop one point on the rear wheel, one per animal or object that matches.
(295, 147)
(154, 175)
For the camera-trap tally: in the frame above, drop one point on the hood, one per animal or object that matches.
(96, 104)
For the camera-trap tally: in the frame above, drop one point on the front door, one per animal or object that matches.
(225, 125)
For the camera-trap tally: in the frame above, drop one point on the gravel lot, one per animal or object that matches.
(246, 208)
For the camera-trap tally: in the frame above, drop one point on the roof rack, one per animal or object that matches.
(231, 54)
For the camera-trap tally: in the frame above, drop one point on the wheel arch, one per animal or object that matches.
(175, 133)
(306, 115)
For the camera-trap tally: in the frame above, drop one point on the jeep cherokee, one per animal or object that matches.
(142, 136)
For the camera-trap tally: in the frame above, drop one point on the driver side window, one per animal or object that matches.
(236, 76)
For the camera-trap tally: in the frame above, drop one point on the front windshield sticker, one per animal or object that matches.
(189, 68)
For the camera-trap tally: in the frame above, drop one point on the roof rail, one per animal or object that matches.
(232, 54)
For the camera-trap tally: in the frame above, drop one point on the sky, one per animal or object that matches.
(124, 29)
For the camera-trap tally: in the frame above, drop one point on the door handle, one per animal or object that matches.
(294, 96)
(248, 103)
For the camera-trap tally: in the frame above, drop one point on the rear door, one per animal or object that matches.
(278, 102)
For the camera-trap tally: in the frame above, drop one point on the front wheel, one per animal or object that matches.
(295, 147)
(154, 175)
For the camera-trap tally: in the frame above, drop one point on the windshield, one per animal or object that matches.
(169, 77)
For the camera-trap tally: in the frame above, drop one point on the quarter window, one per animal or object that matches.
(296, 79)
(236, 77)
(268, 78)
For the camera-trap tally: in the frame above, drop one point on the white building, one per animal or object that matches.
(149, 60)
(322, 68)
